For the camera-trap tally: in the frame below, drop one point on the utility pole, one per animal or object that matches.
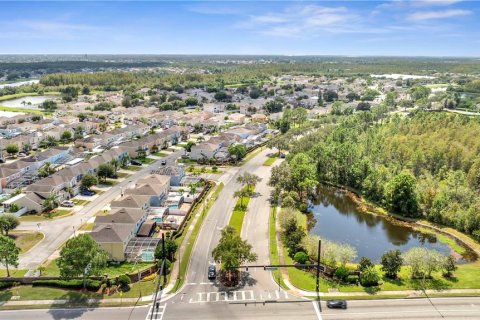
(318, 266)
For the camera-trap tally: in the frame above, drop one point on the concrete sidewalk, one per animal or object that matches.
(410, 293)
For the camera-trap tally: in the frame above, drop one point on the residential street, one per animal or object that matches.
(57, 231)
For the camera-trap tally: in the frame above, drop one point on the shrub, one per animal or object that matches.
(92, 285)
(4, 284)
(300, 257)
(341, 273)
(370, 277)
(124, 280)
(364, 263)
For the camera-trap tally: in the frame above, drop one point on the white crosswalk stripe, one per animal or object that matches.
(237, 296)
(157, 313)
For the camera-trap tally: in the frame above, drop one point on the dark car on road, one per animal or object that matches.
(337, 304)
(164, 162)
(212, 272)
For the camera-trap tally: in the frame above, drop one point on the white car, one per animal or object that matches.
(67, 204)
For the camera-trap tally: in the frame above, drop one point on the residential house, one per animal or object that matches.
(259, 117)
(130, 216)
(130, 201)
(114, 238)
(204, 150)
(154, 188)
(175, 173)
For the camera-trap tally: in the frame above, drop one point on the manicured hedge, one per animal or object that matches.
(4, 284)
(93, 285)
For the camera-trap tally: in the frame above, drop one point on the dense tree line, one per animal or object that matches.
(426, 165)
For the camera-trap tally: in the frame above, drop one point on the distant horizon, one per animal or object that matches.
(418, 28)
(239, 55)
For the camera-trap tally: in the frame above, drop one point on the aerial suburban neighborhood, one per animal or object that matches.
(239, 160)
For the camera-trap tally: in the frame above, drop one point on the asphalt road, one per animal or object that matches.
(60, 230)
(421, 309)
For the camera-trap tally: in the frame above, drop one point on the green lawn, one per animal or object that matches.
(145, 160)
(51, 269)
(24, 110)
(109, 183)
(270, 161)
(126, 267)
(142, 288)
(186, 161)
(159, 154)
(80, 202)
(236, 220)
(13, 272)
(445, 239)
(123, 174)
(466, 277)
(25, 240)
(132, 168)
(193, 236)
(274, 258)
(57, 213)
(25, 94)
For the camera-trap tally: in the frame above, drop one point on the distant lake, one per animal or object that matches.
(31, 102)
(17, 84)
(335, 216)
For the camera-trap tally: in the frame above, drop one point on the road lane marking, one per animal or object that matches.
(157, 313)
(317, 310)
(397, 311)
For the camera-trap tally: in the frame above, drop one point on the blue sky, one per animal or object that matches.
(413, 28)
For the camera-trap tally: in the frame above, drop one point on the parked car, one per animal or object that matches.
(67, 203)
(135, 162)
(185, 156)
(282, 155)
(212, 272)
(337, 304)
(22, 155)
(164, 162)
(87, 193)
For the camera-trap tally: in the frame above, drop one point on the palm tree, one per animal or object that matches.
(50, 202)
(70, 191)
(46, 170)
(116, 164)
(242, 193)
(125, 160)
(193, 188)
(27, 147)
(370, 276)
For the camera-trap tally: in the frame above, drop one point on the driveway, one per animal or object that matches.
(58, 231)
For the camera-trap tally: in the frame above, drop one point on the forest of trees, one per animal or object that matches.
(427, 165)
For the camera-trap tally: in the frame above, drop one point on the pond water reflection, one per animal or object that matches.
(335, 216)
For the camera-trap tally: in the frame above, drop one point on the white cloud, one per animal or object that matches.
(429, 15)
(426, 3)
(306, 21)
